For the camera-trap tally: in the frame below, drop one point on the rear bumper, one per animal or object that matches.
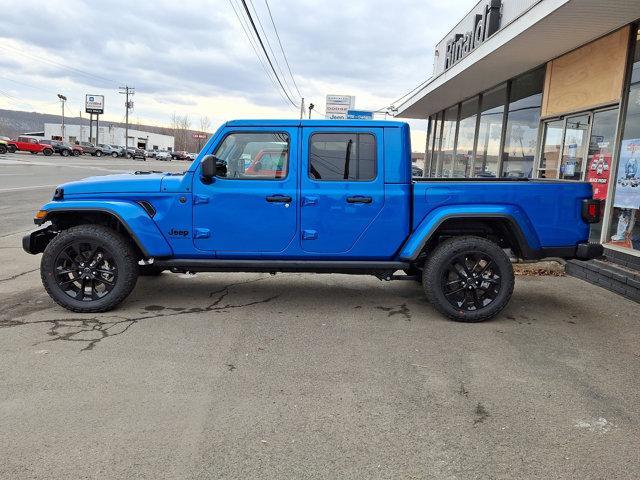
(587, 251)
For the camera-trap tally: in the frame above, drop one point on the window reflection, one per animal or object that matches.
(466, 137)
(490, 132)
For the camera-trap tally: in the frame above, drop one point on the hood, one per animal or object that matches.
(135, 182)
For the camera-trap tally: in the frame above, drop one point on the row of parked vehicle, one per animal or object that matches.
(36, 145)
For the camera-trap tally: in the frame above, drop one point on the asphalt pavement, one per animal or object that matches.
(304, 376)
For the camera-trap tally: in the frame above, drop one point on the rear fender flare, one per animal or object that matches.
(522, 228)
(140, 226)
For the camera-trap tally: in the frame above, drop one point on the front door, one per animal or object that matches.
(250, 207)
(342, 187)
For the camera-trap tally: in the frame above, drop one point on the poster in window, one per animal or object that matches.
(598, 174)
(627, 193)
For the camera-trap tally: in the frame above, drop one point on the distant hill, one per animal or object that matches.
(15, 122)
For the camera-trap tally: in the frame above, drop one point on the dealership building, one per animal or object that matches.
(110, 135)
(544, 89)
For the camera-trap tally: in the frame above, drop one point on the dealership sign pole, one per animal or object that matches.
(94, 104)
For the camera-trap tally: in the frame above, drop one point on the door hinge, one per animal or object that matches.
(201, 233)
(309, 235)
(198, 199)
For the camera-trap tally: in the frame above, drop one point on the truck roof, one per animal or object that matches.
(316, 123)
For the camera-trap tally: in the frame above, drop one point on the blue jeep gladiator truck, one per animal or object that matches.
(308, 196)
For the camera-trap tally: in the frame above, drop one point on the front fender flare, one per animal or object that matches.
(518, 220)
(133, 217)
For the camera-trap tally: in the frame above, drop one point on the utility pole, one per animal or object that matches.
(127, 91)
(62, 100)
(311, 107)
(302, 109)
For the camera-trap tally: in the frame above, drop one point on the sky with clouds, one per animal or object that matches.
(193, 58)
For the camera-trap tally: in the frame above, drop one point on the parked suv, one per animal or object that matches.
(89, 147)
(109, 150)
(163, 156)
(64, 149)
(136, 153)
(29, 144)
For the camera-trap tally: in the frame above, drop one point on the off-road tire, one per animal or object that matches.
(3, 149)
(123, 255)
(439, 260)
(47, 152)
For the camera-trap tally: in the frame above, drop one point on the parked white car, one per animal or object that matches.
(163, 156)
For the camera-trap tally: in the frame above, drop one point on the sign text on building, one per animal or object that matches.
(484, 25)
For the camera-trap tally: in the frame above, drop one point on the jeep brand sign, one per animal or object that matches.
(484, 25)
(94, 104)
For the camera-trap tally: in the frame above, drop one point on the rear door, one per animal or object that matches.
(342, 186)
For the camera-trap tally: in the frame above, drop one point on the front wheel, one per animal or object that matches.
(3, 148)
(114, 154)
(47, 152)
(76, 153)
(98, 153)
(12, 148)
(64, 153)
(89, 268)
(468, 279)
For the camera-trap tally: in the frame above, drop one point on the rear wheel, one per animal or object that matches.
(76, 153)
(114, 154)
(89, 268)
(64, 153)
(468, 279)
(98, 153)
(47, 152)
(11, 148)
(3, 148)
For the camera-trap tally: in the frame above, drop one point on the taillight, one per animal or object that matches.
(591, 210)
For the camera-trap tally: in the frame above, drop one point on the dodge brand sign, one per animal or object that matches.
(94, 104)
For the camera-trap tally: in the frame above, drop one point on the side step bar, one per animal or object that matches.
(269, 266)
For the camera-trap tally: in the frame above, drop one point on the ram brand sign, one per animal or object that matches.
(94, 104)
(484, 25)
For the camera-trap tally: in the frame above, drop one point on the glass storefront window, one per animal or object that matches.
(427, 149)
(487, 158)
(551, 145)
(599, 158)
(523, 119)
(625, 225)
(445, 159)
(435, 146)
(466, 137)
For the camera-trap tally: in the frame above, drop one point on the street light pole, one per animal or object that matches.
(62, 100)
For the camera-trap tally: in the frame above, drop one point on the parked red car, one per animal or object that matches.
(77, 150)
(268, 163)
(29, 144)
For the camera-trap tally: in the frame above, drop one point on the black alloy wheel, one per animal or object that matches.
(469, 279)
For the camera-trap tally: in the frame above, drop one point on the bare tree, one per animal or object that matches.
(205, 123)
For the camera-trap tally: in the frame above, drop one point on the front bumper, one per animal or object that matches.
(36, 241)
(588, 251)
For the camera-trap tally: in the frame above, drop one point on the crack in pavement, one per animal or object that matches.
(92, 330)
(13, 277)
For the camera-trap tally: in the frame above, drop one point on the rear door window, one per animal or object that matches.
(342, 157)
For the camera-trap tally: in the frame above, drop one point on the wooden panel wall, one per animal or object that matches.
(588, 77)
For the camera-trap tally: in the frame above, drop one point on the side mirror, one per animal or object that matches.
(212, 167)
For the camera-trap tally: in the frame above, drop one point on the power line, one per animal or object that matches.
(275, 58)
(281, 48)
(59, 64)
(255, 49)
(255, 29)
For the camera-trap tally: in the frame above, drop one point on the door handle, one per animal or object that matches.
(359, 199)
(278, 199)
